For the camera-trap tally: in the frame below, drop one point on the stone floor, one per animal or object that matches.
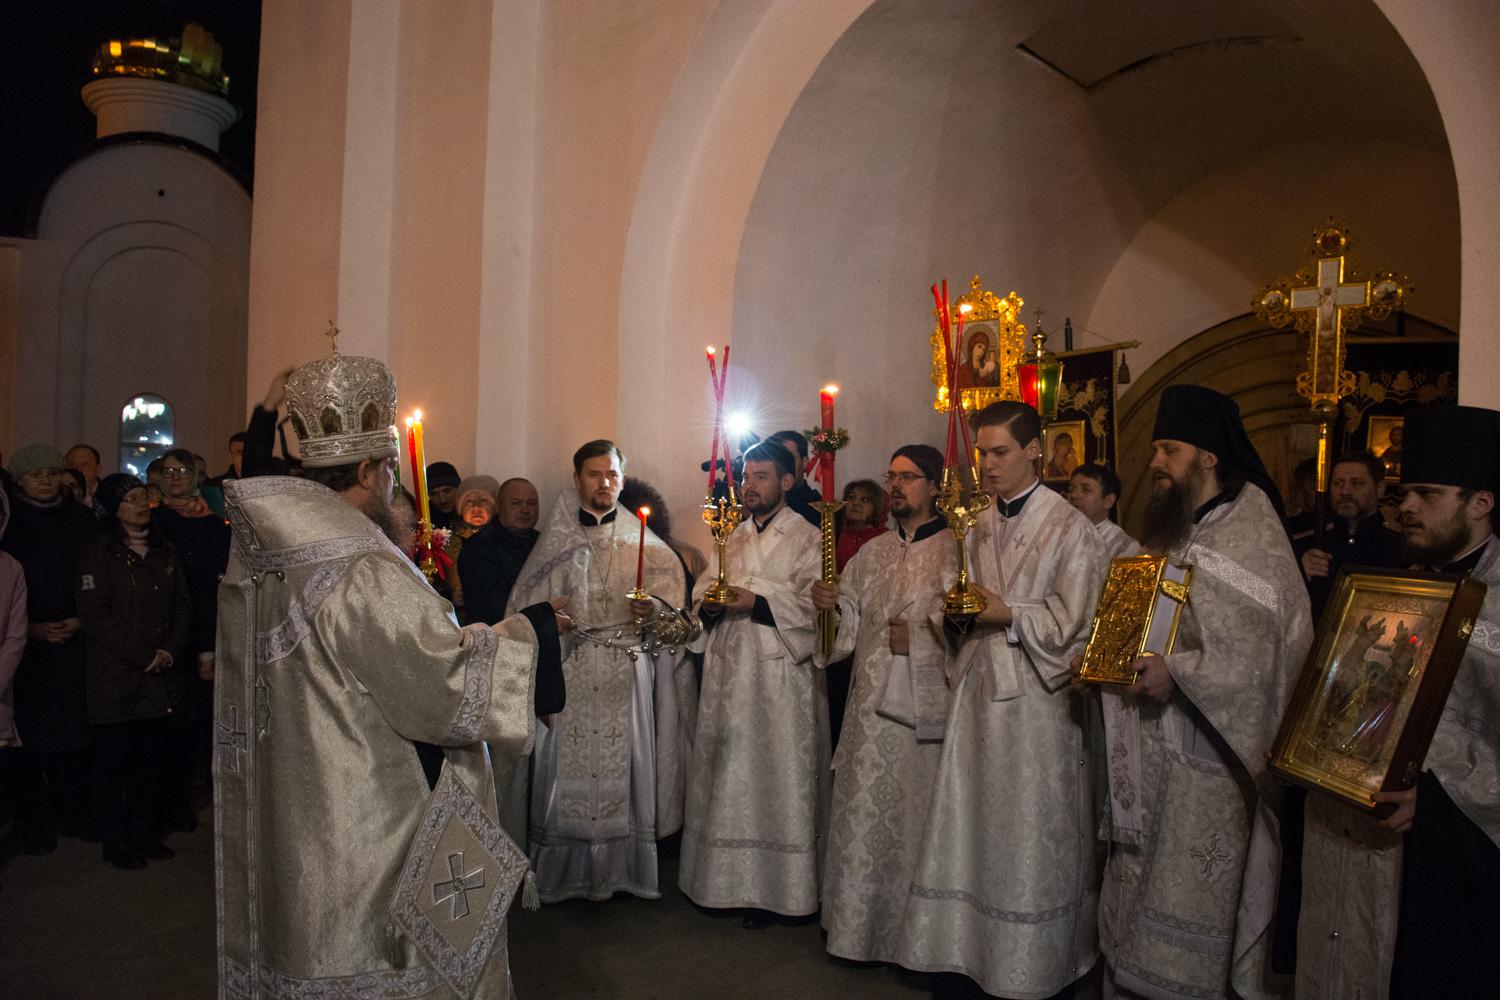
(73, 928)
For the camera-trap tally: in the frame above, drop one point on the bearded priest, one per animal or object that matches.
(887, 757)
(606, 776)
(1004, 891)
(758, 779)
(1191, 881)
(352, 857)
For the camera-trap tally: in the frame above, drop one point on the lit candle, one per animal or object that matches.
(411, 455)
(424, 513)
(826, 472)
(940, 297)
(640, 555)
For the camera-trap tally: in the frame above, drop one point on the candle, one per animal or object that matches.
(640, 555)
(713, 446)
(411, 454)
(424, 513)
(940, 297)
(825, 473)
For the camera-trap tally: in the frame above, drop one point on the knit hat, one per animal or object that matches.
(488, 485)
(112, 490)
(34, 457)
(442, 474)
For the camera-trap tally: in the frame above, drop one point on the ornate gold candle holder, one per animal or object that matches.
(722, 516)
(828, 550)
(428, 564)
(962, 602)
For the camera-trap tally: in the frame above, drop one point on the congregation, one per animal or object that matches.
(942, 794)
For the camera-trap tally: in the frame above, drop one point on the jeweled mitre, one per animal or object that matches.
(343, 409)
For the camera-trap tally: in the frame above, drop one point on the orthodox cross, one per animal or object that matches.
(1320, 302)
(458, 886)
(235, 739)
(332, 333)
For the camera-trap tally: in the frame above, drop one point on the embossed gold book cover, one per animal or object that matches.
(1138, 613)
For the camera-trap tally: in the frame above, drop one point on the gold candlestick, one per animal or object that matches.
(722, 516)
(828, 549)
(962, 603)
(428, 565)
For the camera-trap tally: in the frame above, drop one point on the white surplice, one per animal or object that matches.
(1005, 890)
(1186, 906)
(1117, 541)
(758, 778)
(607, 775)
(888, 753)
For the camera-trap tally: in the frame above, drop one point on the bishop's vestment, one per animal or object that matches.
(758, 779)
(607, 774)
(341, 870)
(887, 757)
(1190, 886)
(1005, 889)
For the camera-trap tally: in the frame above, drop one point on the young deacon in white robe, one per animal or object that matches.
(887, 756)
(758, 779)
(1095, 490)
(607, 773)
(1005, 888)
(351, 860)
(1190, 885)
(1352, 897)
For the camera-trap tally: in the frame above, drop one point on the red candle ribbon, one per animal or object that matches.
(640, 555)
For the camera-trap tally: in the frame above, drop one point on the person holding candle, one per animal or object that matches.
(606, 775)
(1004, 891)
(887, 758)
(350, 716)
(758, 780)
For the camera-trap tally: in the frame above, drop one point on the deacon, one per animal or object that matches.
(1448, 881)
(348, 854)
(758, 778)
(606, 775)
(1095, 490)
(1004, 889)
(887, 757)
(1191, 880)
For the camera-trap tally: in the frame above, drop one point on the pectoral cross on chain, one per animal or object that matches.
(458, 886)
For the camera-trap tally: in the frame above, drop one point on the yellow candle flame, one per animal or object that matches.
(643, 513)
(831, 389)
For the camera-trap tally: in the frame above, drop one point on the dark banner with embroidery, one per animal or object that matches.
(1084, 430)
(1389, 377)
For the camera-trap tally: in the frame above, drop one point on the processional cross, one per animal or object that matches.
(1320, 303)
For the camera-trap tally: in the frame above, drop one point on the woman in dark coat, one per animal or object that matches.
(201, 538)
(47, 530)
(137, 621)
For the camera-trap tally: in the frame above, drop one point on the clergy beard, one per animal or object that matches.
(1169, 512)
(1445, 541)
(387, 518)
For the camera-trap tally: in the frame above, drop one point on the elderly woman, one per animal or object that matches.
(137, 623)
(476, 503)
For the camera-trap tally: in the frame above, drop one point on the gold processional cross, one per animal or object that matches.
(1321, 303)
(332, 333)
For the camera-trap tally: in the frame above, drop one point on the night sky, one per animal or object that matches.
(45, 48)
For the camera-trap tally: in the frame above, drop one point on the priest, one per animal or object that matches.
(1191, 881)
(606, 775)
(1004, 889)
(887, 757)
(350, 856)
(758, 780)
(1424, 902)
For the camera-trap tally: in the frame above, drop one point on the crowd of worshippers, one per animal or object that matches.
(941, 794)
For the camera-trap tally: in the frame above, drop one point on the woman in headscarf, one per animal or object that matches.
(137, 625)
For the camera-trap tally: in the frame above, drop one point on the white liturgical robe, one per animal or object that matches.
(887, 758)
(1005, 889)
(758, 779)
(607, 774)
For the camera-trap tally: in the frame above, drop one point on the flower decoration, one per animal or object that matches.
(826, 442)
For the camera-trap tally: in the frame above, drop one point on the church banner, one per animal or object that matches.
(1389, 377)
(1084, 430)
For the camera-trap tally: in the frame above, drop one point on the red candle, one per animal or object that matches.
(940, 298)
(713, 445)
(825, 473)
(411, 451)
(640, 555)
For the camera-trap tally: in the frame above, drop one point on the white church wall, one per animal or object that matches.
(136, 282)
(1200, 260)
